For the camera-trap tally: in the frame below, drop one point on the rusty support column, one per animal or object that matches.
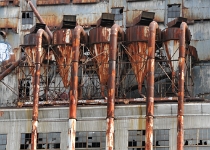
(11, 68)
(74, 86)
(111, 86)
(180, 116)
(36, 89)
(150, 86)
(40, 18)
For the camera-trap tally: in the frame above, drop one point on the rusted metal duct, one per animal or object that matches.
(11, 68)
(150, 85)
(137, 38)
(180, 117)
(36, 89)
(40, 18)
(111, 85)
(78, 30)
(62, 41)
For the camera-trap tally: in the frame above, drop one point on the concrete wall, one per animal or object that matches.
(89, 118)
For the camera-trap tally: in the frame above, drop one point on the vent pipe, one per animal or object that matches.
(150, 85)
(36, 82)
(180, 115)
(40, 18)
(78, 30)
(111, 85)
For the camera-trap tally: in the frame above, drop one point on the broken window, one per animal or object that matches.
(174, 11)
(48, 141)
(197, 139)
(90, 140)
(136, 139)
(3, 141)
(118, 12)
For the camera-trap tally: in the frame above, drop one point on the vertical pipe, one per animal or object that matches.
(36, 89)
(40, 18)
(150, 86)
(180, 119)
(73, 93)
(111, 86)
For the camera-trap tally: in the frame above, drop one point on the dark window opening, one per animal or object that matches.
(88, 140)
(27, 18)
(173, 10)
(136, 139)
(3, 141)
(45, 141)
(118, 13)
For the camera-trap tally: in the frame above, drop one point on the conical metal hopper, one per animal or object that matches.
(62, 41)
(31, 50)
(99, 40)
(137, 50)
(171, 46)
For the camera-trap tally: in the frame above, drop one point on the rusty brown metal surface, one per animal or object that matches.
(62, 40)
(30, 40)
(52, 2)
(73, 93)
(99, 35)
(149, 133)
(63, 56)
(99, 38)
(40, 18)
(11, 68)
(11, 2)
(31, 57)
(78, 31)
(150, 85)
(170, 34)
(180, 120)
(137, 54)
(84, 1)
(1, 113)
(7, 63)
(36, 89)
(192, 52)
(110, 134)
(62, 37)
(137, 37)
(137, 34)
(115, 30)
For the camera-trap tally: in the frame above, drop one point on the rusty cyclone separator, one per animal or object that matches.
(62, 42)
(137, 38)
(180, 115)
(36, 82)
(150, 86)
(111, 85)
(30, 41)
(40, 18)
(99, 40)
(73, 93)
